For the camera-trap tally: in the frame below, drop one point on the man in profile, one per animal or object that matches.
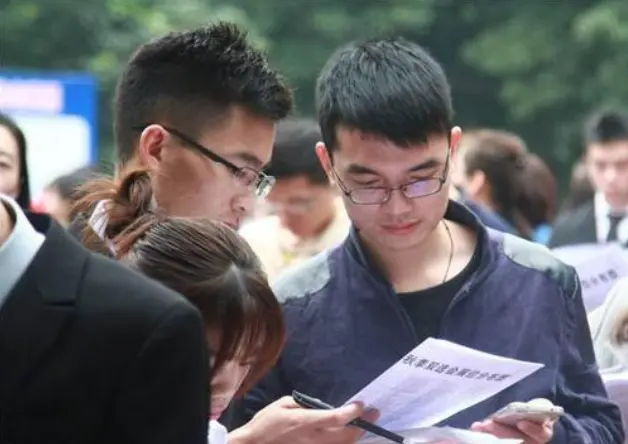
(198, 110)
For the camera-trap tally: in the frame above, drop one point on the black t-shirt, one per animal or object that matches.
(426, 308)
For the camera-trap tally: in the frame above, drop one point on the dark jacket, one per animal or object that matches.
(575, 227)
(346, 326)
(92, 352)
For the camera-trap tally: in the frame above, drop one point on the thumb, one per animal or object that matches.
(286, 402)
(371, 415)
(340, 416)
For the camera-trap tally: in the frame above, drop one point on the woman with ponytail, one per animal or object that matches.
(214, 268)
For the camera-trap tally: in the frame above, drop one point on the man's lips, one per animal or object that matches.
(400, 228)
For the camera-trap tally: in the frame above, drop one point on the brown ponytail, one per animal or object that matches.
(128, 209)
(206, 261)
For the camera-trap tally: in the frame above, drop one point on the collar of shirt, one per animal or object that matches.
(19, 250)
(98, 223)
(602, 223)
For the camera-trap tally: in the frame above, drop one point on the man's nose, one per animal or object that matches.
(610, 174)
(398, 203)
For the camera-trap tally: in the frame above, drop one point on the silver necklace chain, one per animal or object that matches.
(451, 251)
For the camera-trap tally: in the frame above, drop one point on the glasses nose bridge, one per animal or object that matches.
(390, 190)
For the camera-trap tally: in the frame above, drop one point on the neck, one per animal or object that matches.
(618, 206)
(421, 267)
(6, 223)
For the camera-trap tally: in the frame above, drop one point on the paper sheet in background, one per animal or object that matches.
(616, 382)
(598, 267)
(443, 435)
(436, 380)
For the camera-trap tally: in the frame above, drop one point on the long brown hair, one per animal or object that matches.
(207, 262)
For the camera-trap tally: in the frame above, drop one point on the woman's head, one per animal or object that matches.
(212, 267)
(13, 170)
(537, 202)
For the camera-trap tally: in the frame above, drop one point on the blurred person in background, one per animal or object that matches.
(537, 202)
(308, 215)
(580, 188)
(609, 329)
(62, 193)
(603, 219)
(198, 110)
(13, 162)
(488, 174)
(215, 269)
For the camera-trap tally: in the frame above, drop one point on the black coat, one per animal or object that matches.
(92, 352)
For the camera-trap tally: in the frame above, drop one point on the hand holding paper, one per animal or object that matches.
(436, 380)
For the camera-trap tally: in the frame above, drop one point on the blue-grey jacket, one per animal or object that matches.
(346, 326)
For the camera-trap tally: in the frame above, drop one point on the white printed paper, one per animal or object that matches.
(442, 435)
(599, 273)
(436, 380)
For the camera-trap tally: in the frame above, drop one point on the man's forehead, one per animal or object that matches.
(250, 159)
(6, 153)
(617, 150)
(374, 152)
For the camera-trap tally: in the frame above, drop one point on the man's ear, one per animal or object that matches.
(454, 140)
(150, 146)
(325, 160)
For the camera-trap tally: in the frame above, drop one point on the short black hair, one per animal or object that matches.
(24, 197)
(188, 79)
(389, 87)
(606, 125)
(294, 152)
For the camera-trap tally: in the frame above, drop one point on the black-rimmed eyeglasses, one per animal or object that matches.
(379, 195)
(247, 176)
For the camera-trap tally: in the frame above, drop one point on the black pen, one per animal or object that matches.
(313, 403)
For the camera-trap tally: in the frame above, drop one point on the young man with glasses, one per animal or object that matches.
(307, 213)
(417, 265)
(198, 109)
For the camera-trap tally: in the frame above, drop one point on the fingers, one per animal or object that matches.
(339, 417)
(497, 430)
(370, 415)
(286, 402)
(540, 433)
(525, 430)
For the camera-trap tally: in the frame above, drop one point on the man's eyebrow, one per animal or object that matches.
(249, 159)
(427, 165)
(358, 169)
(6, 155)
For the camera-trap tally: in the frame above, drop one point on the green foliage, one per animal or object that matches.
(533, 67)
